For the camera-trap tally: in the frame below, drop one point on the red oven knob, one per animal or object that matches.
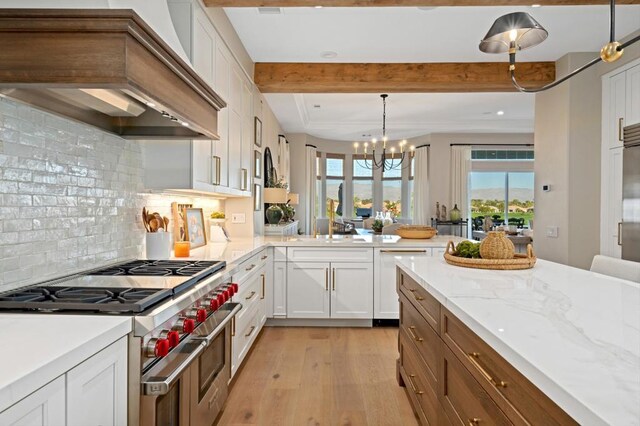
(157, 348)
(221, 299)
(214, 304)
(234, 286)
(174, 338)
(201, 315)
(188, 325)
(227, 293)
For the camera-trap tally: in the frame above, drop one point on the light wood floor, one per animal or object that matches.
(320, 376)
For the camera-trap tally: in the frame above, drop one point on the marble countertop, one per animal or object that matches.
(239, 249)
(573, 333)
(41, 347)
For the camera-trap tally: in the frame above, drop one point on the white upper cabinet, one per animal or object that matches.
(617, 109)
(221, 167)
(633, 96)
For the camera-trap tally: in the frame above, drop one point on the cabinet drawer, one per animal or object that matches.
(250, 295)
(243, 334)
(424, 339)
(425, 303)
(520, 400)
(462, 397)
(333, 254)
(422, 395)
(250, 265)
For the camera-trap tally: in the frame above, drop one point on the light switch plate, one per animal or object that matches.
(552, 231)
(238, 218)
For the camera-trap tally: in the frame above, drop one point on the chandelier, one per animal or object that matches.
(519, 31)
(392, 159)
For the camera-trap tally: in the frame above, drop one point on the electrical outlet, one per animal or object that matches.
(238, 218)
(552, 231)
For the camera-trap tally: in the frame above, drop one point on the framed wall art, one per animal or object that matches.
(258, 131)
(194, 221)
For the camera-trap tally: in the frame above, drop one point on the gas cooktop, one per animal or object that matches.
(127, 287)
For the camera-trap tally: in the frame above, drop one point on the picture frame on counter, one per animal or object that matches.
(257, 131)
(257, 164)
(257, 197)
(194, 227)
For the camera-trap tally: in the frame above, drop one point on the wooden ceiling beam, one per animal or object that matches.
(279, 77)
(403, 3)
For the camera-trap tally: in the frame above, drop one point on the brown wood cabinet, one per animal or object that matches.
(453, 377)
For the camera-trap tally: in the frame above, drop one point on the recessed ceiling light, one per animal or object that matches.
(150, 104)
(500, 112)
(185, 124)
(426, 8)
(535, 5)
(318, 7)
(328, 54)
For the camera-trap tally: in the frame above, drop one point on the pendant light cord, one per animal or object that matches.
(612, 27)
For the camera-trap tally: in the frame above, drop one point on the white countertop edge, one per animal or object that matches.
(572, 406)
(50, 370)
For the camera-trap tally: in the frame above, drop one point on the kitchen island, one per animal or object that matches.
(573, 334)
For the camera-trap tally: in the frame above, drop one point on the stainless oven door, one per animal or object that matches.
(166, 387)
(211, 372)
(189, 386)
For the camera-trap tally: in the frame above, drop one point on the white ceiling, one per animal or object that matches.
(445, 34)
(349, 116)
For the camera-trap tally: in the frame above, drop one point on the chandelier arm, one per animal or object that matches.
(612, 21)
(366, 165)
(512, 70)
(629, 43)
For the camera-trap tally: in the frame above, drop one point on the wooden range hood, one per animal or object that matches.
(107, 68)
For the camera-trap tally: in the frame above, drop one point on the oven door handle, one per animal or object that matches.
(209, 337)
(158, 385)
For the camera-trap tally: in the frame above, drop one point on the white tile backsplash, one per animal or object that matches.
(70, 197)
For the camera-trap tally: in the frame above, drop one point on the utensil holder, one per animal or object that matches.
(158, 245)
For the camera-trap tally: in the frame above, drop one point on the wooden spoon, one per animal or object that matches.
(145, 222)
(154, 225)
(166, 223)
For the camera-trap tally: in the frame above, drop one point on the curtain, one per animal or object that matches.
(283, 158)
(421, 203)
(310, 188)
(460, 169)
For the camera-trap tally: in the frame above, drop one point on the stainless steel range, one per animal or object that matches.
(180, 348)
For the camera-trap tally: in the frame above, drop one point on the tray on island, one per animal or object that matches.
(519, 261)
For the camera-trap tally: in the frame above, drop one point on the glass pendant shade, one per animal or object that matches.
(519, 27)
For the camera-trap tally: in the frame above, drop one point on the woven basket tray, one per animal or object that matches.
(520, 261)
(416, 232)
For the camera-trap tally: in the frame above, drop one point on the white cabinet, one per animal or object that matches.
(352, 290)
(620, 108)
(385, 296)
(97, 388)
(341, 290)
(308, 290)
(92, 393)
(611, 201)
(252, 276)
(279, 289)
(44, 407)
(221, 166)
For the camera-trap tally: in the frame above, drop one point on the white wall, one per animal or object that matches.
(568, 157)
(439, 159)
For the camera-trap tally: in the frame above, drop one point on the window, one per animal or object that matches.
(507, 197)
(501, 185)
(392, 191)
(335, 183)
(362, 189)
